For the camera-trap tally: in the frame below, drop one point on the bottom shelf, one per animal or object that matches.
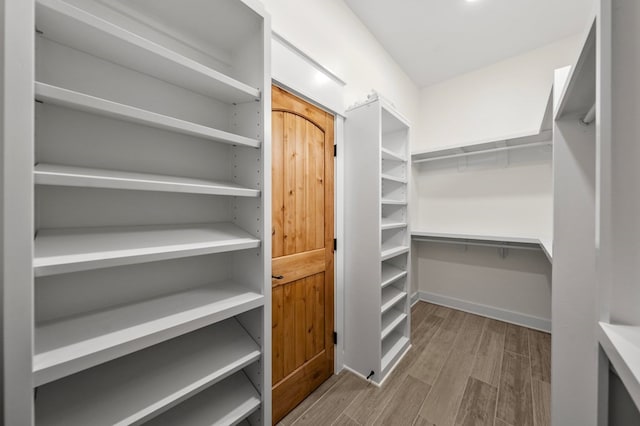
(138, 387)
(392, 347)
(621, 343)
(226, 403)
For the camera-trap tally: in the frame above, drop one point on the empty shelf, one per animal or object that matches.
(387, 154)
(621, 343)
(73, 344)
(394, 202)
(225, 403)
(394, 178)
(392, 224)
(82, 102)
(137, 387)
(391, 274)
(74, 27)
(51, 174)
(392, 346)
(388, 253)
(59, 251)
(525, 140)
(391, 296)
(392, 319)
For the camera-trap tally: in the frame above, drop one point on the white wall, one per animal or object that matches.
(501, 100)
(516, 288)
(329, 32)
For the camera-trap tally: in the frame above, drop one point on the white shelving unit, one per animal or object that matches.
(617, 212)
(501, 242)
(377, 246)
(527, 140)
(152, 213)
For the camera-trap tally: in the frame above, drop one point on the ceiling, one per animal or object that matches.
(434, 40)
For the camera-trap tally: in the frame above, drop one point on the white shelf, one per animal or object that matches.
(82, 102)
(501, 241)
(388, 253)
(387, 154)
(70, 345)
(525, 140)
(59, 251)
(225, 403)
(390, 320)
(74, 27)
(622, 346)
(393, 202)
(394, 178)
(52, 174)
(391, 224)
(135, 388)
(392, 346)
(391, 274)
(391, 296)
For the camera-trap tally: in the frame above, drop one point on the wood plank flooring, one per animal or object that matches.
(462, 370)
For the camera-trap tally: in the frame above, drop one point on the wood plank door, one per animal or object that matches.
(302, 258)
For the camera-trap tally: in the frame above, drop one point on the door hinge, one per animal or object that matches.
(335, 338)
(335, 244)
(335, 150)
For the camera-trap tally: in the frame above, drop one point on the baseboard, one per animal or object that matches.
(415, 298)
(517, 318)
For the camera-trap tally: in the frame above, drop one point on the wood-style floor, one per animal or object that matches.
(463, 369)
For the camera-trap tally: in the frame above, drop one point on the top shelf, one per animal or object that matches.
(74, 27)
(526, 140)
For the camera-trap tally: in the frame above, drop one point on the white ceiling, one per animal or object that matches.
(434, 40)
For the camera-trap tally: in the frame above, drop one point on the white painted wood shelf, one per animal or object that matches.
(501, 241)
(387, 154)
(391, 320)
(66, 346)
(74, 27)
(525, 140)
(47, 93)
(392, 224)
(392, 347)
(393, 202)
(390, 297)
(135, 388)
(394, 178)
(59, 251)
(60, 175)
(226, 403)
(393, 251)
(621, 343)
(391, 274)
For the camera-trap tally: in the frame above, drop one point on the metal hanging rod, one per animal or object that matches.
(590, 116)
(485, 151)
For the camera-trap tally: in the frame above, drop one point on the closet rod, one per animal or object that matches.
(485, 151)
(479, 244)
(590, 116)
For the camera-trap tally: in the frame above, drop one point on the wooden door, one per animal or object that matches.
(302, 237)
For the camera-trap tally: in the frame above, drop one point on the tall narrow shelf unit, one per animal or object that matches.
(152, 174)
(377, 240)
